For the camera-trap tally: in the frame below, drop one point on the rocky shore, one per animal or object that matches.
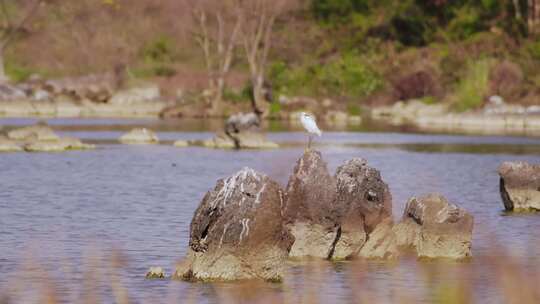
(493, 119)
(88, 96)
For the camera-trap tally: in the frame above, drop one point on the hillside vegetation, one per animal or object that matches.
(356, 52)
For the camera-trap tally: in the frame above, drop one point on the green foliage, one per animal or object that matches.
(354, 109)
(160, 50)
(466, 23)
(346, 76)
(334, 10)
(534, 49)
(16, 72)
(473, 87)
(275, 108)
(429, 100)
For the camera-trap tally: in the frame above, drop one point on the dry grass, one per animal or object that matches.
(503, 277)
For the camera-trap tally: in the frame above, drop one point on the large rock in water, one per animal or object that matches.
(309, 211)
(366, 213)
(237, 231)
(520, 186)
(339, 217)
(435, 228)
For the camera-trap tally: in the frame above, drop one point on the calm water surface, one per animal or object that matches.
(62, 216)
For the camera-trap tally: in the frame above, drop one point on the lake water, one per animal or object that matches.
(64, 217)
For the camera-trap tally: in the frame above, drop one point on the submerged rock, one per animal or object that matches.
(309, 211)
(40, 138)
(62, 144)
(520, 186)
(155, 273)
(7, 145)
(37, 132)
(365, 202)
(139, 136)
(435, 228)
(181, 143)
(237, 231)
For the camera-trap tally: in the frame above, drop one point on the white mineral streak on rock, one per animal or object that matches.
(223, 234)
(245, 229)
(258, 197)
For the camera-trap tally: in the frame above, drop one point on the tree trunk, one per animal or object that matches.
(517, 9)
(259, 102)
(3, 76)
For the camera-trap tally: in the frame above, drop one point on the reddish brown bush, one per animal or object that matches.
(505, 79)
(416, 85)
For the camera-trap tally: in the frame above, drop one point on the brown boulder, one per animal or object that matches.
(435, 228)
(237, 231)
(520, 186)
(309, 211)
(365, 202)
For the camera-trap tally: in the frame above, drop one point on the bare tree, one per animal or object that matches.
(533, 15)
(216, 29)
(15, 15)
(260, 18)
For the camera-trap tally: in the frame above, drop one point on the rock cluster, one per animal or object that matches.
(520, 186)
(39, 138)
(335, 217)
(247, 225)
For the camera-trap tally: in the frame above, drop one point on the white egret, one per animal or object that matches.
(309, 123)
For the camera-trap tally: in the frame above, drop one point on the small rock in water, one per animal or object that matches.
(139, 136)
(155, 273)
(520, 186)
(435, 228)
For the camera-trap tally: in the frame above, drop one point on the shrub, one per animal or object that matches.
(346, 76)
(505, 78)
(160, 50)
(416, 85)
(473, 87)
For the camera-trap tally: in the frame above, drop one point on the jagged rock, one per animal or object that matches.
(520, 186)
(37, 132)
(237, 231)
(364, 201)
(139, 136)
(309, 211)
(155, 273)
(345, 216)
(435, 228)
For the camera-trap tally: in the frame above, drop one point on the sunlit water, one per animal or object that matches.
(65, 213)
